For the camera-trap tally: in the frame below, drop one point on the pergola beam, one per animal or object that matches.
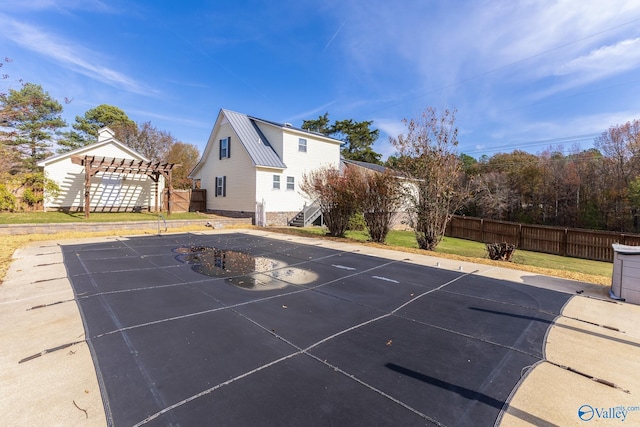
(94, 164)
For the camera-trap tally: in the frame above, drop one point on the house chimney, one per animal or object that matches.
(105, 133)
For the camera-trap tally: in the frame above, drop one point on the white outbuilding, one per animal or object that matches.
(109, 189)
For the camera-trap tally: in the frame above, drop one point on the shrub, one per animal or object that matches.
(7, 200)
(336, 194)
(356, 222)
(500, 251)
(380, 200)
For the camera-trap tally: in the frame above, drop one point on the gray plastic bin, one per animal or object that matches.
(625, 281)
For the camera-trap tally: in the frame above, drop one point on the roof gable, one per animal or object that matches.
(105, 138)
(253, 140)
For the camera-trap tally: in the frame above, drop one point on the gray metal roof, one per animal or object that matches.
(371, 166)
(290, 126)
(254, 141)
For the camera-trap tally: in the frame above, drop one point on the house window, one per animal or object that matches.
(225, 148)
(221, 186)
(290, 183)
(276, 182)
(302, 145)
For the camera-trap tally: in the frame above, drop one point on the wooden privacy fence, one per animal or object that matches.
(573, 242)
(186, 200)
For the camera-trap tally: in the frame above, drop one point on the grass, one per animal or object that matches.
(565, 267)
(62, 217)
(13, 242)
(569, 268)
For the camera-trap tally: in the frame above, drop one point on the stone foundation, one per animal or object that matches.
(273, 218)
(235, 214)
(280, 218)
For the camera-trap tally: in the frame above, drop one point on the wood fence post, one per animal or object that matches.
(519, 236)
(563, 249)
(482, 230)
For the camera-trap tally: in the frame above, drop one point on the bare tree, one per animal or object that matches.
(186, 155)
(620, 146)
(380, 200)
(427, 156)
(493, 196)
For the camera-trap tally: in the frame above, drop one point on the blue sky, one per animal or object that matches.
(521, 74)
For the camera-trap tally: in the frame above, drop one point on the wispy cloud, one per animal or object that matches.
(170, 118)
(58, 5)
(71, 56)
(598, 64)
(391, 127)
(306, 115)
(606, 60)
(332, 38)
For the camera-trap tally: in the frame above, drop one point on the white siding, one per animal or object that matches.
(274, 136)
(320, 153)
(134, 190)
(239, 170)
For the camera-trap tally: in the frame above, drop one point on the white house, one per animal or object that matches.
(253, 167)
(109, 191)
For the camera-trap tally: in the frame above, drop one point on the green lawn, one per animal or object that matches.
(406, 239)
(61, 217)
(472, 249)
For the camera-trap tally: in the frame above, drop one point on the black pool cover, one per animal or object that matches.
(236, 329)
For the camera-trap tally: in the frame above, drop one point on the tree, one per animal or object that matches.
(33, 118)
(427, 156)
(187, 156)
(321, 125)
(380, 199)
(357, 136)
(151, 142)
(620, 146)
(85, 128)
(524, 178)
(492, 195)
(336, 193)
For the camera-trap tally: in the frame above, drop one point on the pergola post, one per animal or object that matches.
(87, 189)
(169, 193)
(156, 202)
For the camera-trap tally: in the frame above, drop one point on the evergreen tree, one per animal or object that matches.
(85, 129)
(33, 119)
(357, 136)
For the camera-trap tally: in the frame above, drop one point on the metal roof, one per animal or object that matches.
(371, 166)
(254, 141)
(291, 127)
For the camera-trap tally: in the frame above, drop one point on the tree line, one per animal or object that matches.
(32, 129)
(597, 188)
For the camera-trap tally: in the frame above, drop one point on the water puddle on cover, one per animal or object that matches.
(243, 270)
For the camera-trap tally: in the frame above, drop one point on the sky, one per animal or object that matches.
(521, 74)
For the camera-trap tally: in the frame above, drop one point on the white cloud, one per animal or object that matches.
(73, 57)
(487, 35)
(606, 60)
(310, 114)
(59, 5)
(600, 63)
(171, 118)
(391, 127)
